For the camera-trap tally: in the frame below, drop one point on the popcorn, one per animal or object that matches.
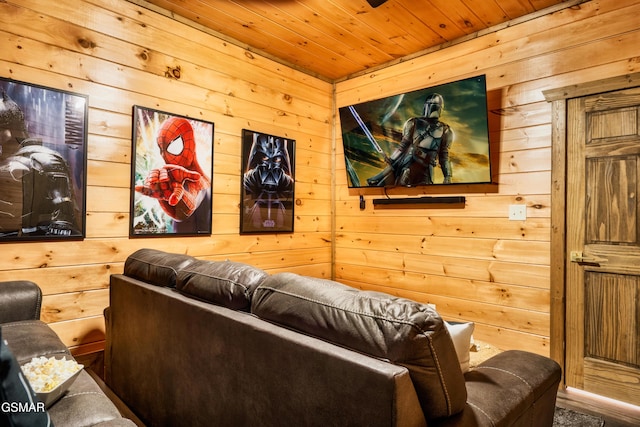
(46, 374)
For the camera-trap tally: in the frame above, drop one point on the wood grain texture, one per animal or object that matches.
(118, 54)
(449, 256)
(337, 38)
(472, 262)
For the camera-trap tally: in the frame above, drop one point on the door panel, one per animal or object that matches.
(612, 380)
(611, 200)
(607, 126)
(610, 299)
(603, 241)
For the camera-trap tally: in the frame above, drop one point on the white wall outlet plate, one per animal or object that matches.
(517, 212)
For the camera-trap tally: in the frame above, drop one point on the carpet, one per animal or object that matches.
(567, 418)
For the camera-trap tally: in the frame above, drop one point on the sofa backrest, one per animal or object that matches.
(182, 362)
(19, 300)
(402, 331)
(156, 267)
(225, 283)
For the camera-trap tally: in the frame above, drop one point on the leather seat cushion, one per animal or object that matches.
(156, 267)
(402, 331)
(226, 283)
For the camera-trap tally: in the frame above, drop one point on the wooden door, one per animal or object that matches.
(603, 245)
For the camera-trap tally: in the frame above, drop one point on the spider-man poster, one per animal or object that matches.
(172, 172)
(267, 183)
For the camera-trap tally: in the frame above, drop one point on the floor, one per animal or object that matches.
(615, 414)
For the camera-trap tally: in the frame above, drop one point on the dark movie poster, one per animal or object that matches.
(172, 174)
(267, 183)
(43, 156)
(436, 135)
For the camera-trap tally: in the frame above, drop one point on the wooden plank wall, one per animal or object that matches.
(474, 263)
(119, 54)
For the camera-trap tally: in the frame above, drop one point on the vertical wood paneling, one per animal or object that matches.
(118, 54)
(381, 249)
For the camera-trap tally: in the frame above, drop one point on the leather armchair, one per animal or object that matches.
(85, 403)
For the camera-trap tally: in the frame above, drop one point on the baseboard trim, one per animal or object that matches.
(614, 412)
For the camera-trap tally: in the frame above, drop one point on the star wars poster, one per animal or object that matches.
(437, 135)
(172, 174)
(43, 157)
(268, 180)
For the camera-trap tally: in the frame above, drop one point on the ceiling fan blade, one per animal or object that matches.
(375, 3)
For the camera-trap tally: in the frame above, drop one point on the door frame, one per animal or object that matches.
(558, 98)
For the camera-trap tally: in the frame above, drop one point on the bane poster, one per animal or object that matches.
(267, 183)
(43, 157)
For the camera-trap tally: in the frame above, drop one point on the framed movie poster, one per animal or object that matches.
(268, 180)
(172, 170)
(43, 162)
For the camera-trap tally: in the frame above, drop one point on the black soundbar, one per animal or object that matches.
(420, 200)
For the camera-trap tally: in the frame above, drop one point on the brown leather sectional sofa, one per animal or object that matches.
(201, 343)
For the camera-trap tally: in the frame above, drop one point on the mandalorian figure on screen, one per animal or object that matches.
(425, 143)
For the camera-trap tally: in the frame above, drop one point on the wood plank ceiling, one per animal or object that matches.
(334, 39)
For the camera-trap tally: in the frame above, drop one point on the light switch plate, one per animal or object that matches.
(517, 212)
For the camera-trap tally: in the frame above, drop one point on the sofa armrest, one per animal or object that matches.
(514, 388)
(129, 418)
(19, 300)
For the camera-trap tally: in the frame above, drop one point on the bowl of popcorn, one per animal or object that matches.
(51, 377)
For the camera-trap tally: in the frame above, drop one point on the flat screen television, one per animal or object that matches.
(433, 136)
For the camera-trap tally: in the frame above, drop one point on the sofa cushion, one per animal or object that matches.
(227, 283)
(156, 267)
(404, 332)
(461, 334)
(85, 404)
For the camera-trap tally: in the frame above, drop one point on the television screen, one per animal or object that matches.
(436, 135)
